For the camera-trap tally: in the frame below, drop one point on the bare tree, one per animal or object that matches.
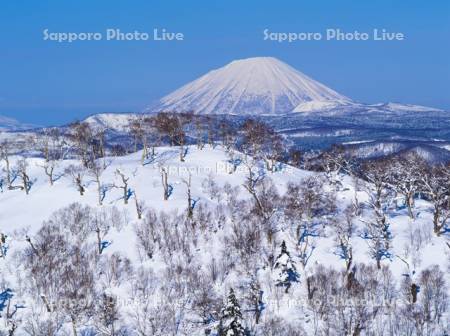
(255, 135)
(344, 229)
(61, 265)
(227, 134)
(22, 167)
(81, 134)
(201, 128)
(126, 191)
(234, 160)
(77, 174)
(406, 176)
(108, 315)
(3, 245)
(435, 183)
(334, 162)
(96, 169)
(211, 188)
(142, 127)
(255, 176)
(172, 126)
(190, 201)
(147, 232)
(255, 298)
(5, 149)
(139, 205)
(308, 208)
(51, 144)
(99, 142)
(295, 157)
(274, 151)
(137, 131)
(167, 188)
(377, 232)
(101, 222)
(433, 294)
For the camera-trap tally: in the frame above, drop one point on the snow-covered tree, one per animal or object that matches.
(201, 129)
(167, 188)
(81, 135)
(254, 298)
(126, 191)
(286, 271)
(172, 126)
(190, 202)
(377, 227)
(308, 207)
(334, 162)
(231, 317)
(435, 183)
(77, 175)
(344, 229)
(5, 154)
(405, 175)
(51, 144)
(96, 169)
(107, 315)
(142, 128)
(227, 134)
(22, 169)
(3, 245)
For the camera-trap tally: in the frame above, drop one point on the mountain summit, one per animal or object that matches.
(259, 85)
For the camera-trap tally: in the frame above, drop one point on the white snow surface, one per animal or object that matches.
(19, 211)
(115, 121)
(11, 124)
(259, 85)
(405, 107)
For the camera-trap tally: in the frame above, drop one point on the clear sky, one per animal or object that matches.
(45, 82)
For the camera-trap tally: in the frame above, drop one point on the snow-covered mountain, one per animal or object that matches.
(258, 86)
(111, 121)
(267, 86)
(429, 152)
(337, 108)
(10, 124)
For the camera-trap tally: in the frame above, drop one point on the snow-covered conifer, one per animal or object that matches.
(287, 273)
(231, 319)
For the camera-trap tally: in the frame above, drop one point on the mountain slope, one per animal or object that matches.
(260, 85)
(10, 124)
(209, 252)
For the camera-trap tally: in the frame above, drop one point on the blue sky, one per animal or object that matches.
(47, 82)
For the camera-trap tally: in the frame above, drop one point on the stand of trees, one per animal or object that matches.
(258, 239)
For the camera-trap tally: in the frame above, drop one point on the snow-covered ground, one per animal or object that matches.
(22, 215)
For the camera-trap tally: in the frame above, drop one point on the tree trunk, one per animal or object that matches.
(414, 292)
(181, 153)
(74, 326)
(99, 191)
(409, 204)
(125, 194)
(99, 241)
(8, 173)
(436, 226)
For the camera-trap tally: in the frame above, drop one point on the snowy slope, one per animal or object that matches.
(267, 86)
(19, 212)
(10, 124)
(259, 85)
(404, 107)
(113, 121)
